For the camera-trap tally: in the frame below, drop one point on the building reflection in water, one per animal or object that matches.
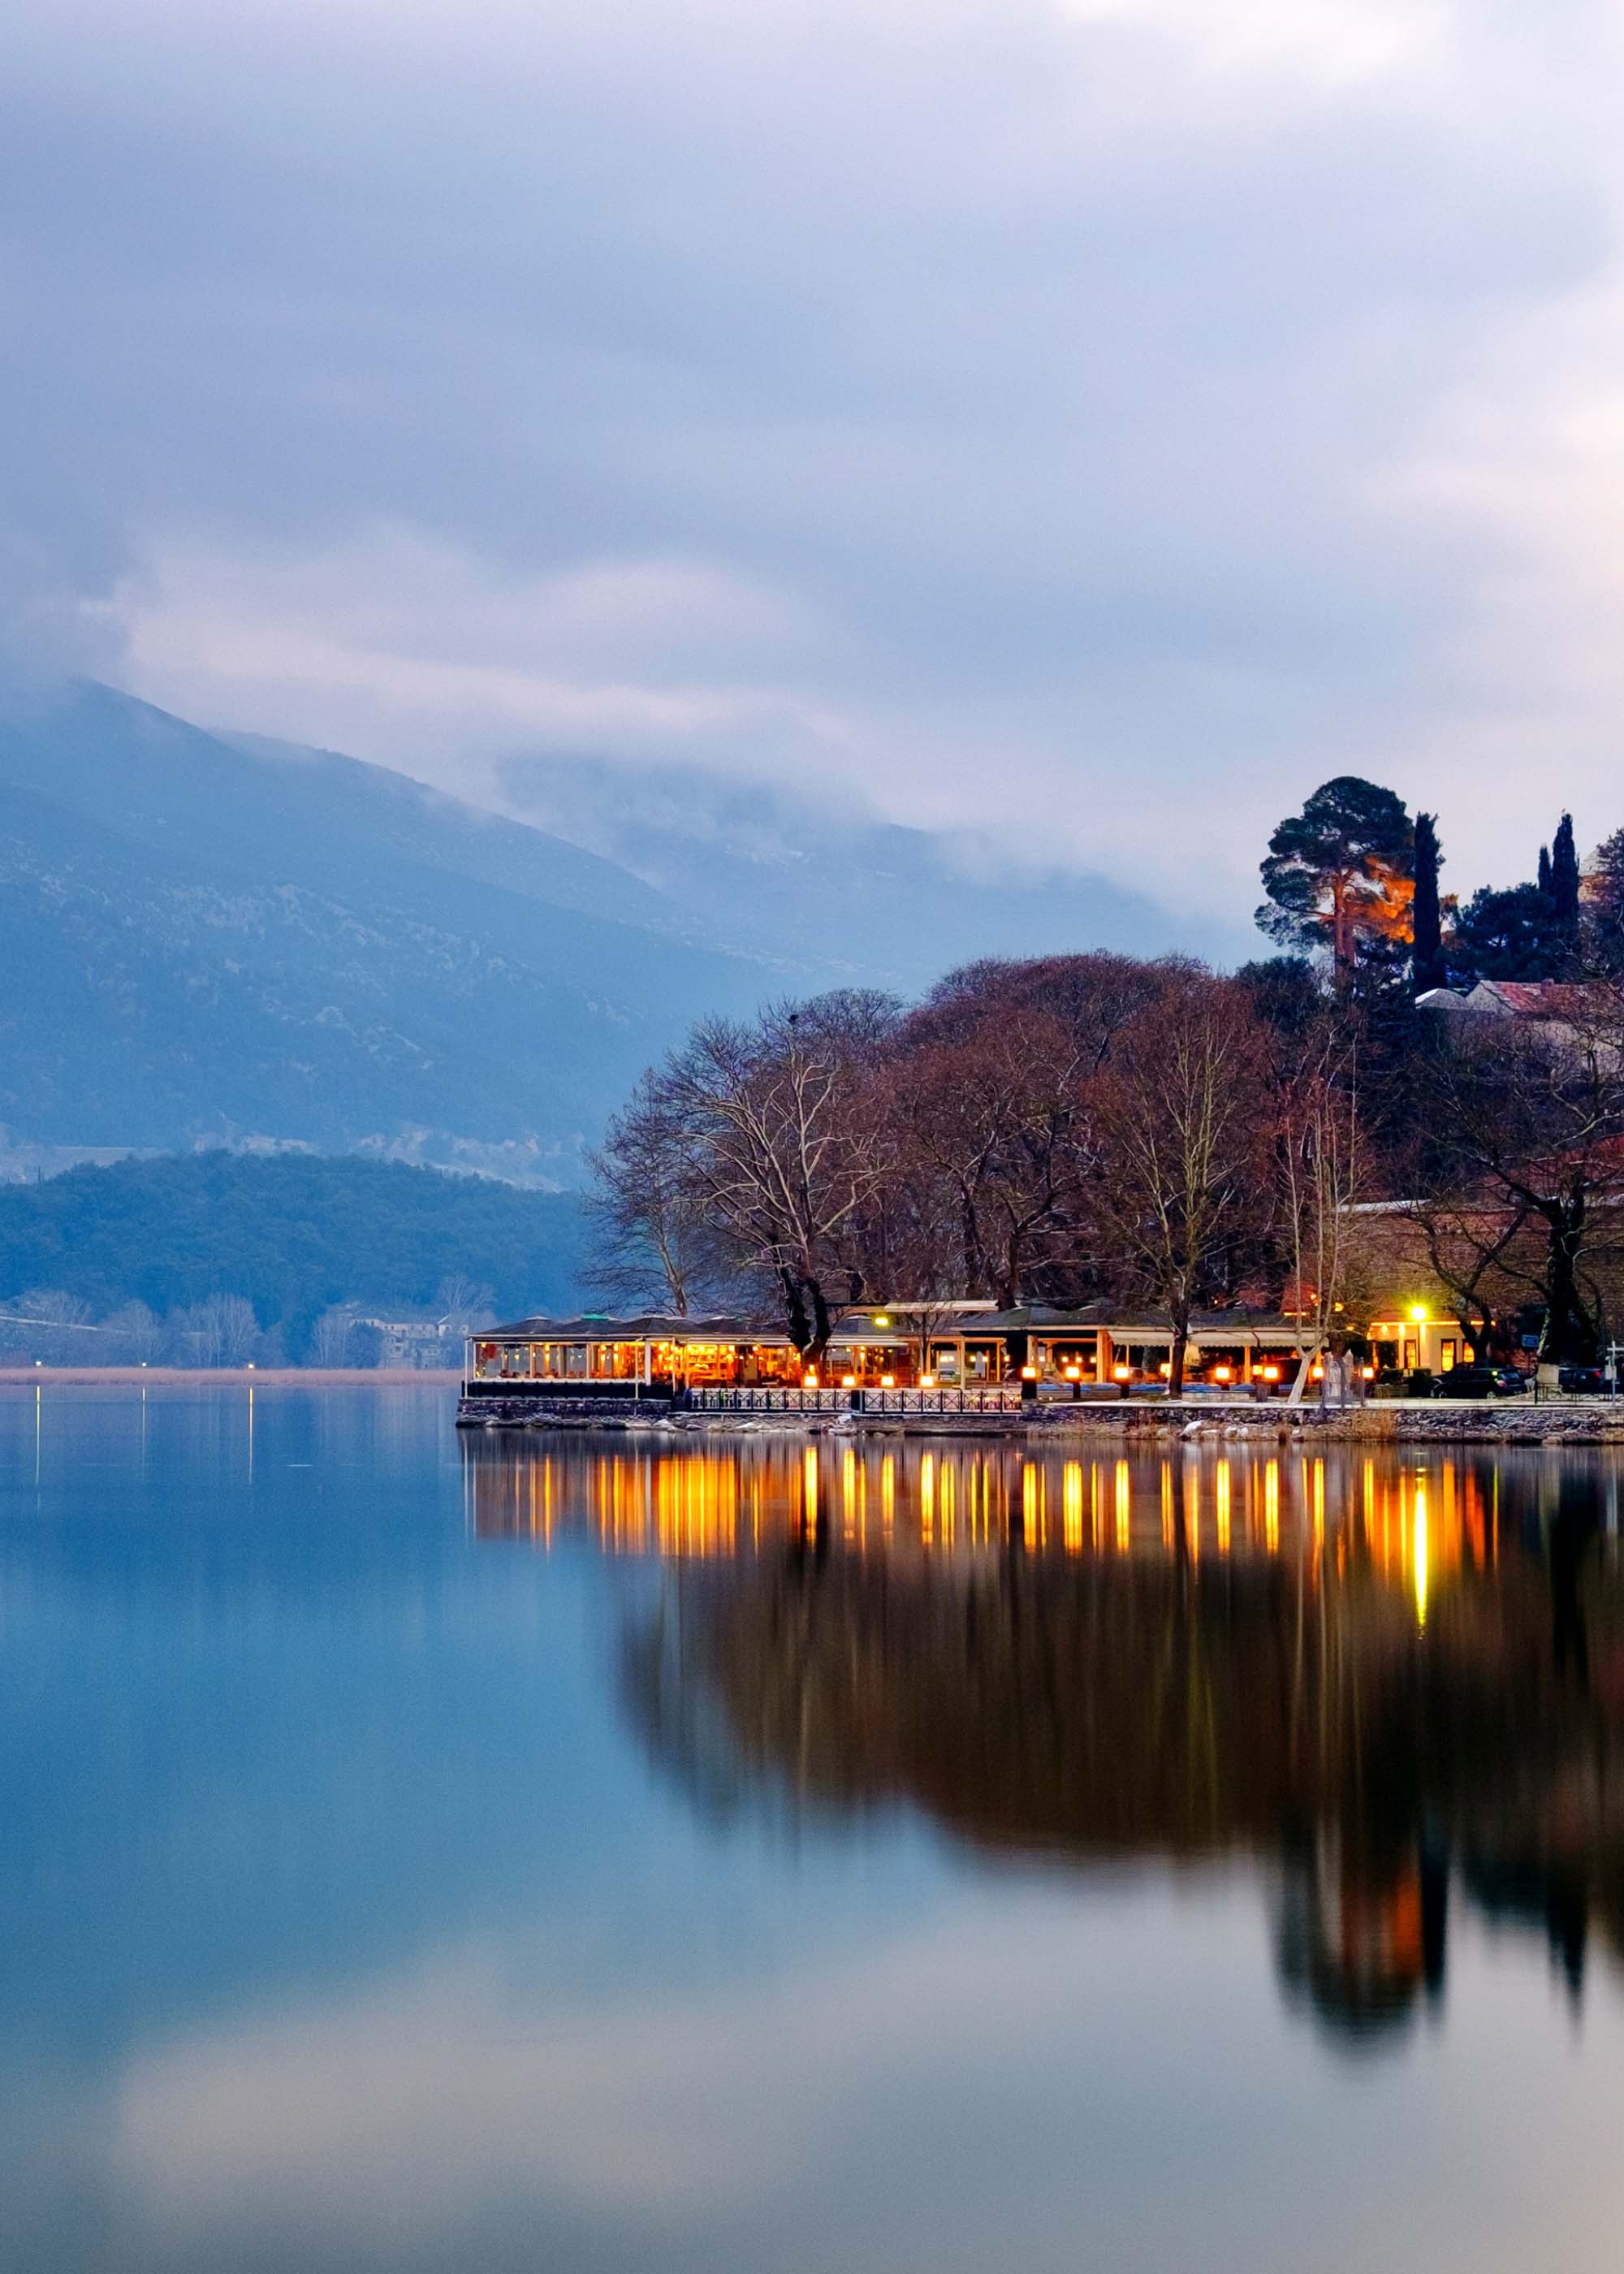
(1395, 1679)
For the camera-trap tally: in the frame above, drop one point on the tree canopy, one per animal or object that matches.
(1341, 873)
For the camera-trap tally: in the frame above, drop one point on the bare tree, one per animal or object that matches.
(462, 1304)
(1318, 1147)
(991, 1095)
(1528, 1120)
(653, 1239)
(55, 1327)
(332, 1338)
(219, 1331)
(134, 1335)
(782, 1156)
(1182, 1116)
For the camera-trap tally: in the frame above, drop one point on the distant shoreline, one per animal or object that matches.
(86, 1377)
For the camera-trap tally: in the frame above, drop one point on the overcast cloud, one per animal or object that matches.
(1130, 410)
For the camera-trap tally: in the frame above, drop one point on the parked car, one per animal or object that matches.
(1510, 1383)
(1469, 1382)
(1581, 1381)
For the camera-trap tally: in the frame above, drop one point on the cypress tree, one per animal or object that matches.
(1564, 880)
(1427, 935)
(1542, 879)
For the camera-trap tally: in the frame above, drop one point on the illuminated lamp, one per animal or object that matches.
(1074, 1373)
(1166, 1369)
(927, 1381)
(1271, 1374)
(1029, 1374)
(1418, 1312)
(1318, 1374)
(881, 1320)
(888, 1382)
(1221, 1373)
(1122, 1372)
(1370, 1373)
(848, 1381)
(809, 1381)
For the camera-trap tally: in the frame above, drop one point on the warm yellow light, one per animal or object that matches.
(848, 1381)
(881, 1319)
(888, 1382)
(1221, 1374)
(809, 1381)
(1271, 1374)
(1418, 1312)
(1370, 1373)
(1029, 1374)
(1122, 1372)
(1074, 1373)
(1166, 1369)
(1318, 1373)
(927, 1381)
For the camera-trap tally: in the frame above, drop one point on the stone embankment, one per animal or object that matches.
(1591, 1421)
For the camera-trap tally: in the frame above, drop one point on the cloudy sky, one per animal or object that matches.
(1132, 411)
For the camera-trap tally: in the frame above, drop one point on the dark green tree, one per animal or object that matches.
(1541, 873)
(1565, 881)
(1515, 934)
(1605, 913)
(1426, 932)
(1341, 873)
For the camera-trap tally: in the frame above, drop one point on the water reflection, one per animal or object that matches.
(1397, 1681)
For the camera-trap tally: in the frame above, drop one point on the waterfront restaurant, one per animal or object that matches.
(900, 1347)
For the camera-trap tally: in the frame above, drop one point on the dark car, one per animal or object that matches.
(1581, 1381)
(1468, 1382)
(1509, 1383)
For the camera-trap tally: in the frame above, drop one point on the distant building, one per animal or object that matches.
(429, 1345)
(1562, 1007)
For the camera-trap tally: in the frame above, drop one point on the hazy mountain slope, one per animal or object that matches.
(775, 873)
(206, 942)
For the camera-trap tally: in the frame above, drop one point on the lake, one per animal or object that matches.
(592, 1853)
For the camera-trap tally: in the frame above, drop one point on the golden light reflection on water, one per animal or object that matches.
(1415, 1523)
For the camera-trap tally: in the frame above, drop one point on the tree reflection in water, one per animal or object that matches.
(1392, 1679)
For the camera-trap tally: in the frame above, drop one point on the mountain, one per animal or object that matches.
(213, 938)
(209, 941)
(832, 894)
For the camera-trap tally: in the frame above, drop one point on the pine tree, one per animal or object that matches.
(1339, 874)
(1565, 880)
(1427, 949)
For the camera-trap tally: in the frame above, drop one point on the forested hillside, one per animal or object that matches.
(292, 1235)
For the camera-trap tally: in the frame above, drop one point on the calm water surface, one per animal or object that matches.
(585, 1853)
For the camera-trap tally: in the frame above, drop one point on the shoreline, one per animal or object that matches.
(1392, 1422)
(1576, 1421)
(252, 1377)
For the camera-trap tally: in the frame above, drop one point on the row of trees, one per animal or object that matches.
(1354, 876)
(1051, 1131)
(1093, 1127)
(49, 1325)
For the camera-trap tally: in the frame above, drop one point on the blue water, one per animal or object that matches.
(580, 1854)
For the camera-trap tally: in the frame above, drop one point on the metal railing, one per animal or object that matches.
(986, 1398)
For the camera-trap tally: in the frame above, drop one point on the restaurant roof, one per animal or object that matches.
(657, 1326)
(1119, 1320)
